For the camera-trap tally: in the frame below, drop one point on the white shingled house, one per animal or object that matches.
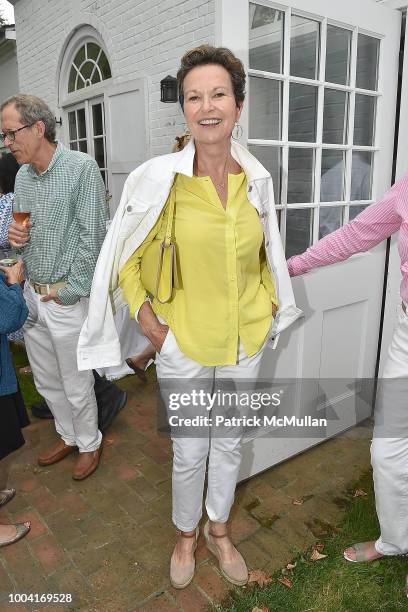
(320, 114)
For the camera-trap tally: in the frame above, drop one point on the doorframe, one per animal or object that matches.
(392, 274)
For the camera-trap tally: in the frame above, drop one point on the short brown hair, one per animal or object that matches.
(31, 110)
(206, 54)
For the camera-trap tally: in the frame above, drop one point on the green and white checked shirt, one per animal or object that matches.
(68, 213)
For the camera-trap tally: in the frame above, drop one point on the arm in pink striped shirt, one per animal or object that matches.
(377, 222)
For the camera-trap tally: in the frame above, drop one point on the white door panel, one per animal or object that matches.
(320, 116)
(127, 141)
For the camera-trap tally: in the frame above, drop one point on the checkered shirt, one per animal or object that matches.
(68, 213)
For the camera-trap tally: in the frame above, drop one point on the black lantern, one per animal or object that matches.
(168, 89)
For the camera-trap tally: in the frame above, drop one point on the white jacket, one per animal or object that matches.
(144, 195)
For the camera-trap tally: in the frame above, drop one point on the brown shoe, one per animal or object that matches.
(57, 452)
(86, 464)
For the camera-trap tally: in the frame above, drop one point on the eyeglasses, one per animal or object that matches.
(11, 134)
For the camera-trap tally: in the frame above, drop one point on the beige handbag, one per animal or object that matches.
(158, 267)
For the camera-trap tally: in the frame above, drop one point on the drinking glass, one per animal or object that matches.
(21, 215)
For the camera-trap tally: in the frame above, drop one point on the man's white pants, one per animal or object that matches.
(190, 454)
(51, 335)
(389, 448)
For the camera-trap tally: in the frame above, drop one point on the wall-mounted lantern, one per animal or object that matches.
(168, 89)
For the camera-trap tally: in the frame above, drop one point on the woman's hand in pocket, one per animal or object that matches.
(151, 326)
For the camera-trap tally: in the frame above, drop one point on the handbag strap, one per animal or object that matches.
(169, 226)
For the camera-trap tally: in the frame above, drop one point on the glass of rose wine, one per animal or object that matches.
(21, 215)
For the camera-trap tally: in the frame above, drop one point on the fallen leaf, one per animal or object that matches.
(360, 493)
(316, 556)
(264, 609)
(286, 582)
(291, 566)
(297, 502)
(259, 577)
(319, 547)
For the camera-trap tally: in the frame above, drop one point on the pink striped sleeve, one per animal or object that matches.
(377, 222)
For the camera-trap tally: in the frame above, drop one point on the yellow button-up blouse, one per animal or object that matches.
(227, 290)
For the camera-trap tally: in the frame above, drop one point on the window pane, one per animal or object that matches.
(330, 219)
(103, 176)
(304, 47)
(302, 112)
(265, 97)
(361, 175)
(71, 82)
(335, 116)
(332, 181)
(96, 78)
(300, 176)
(97, 119)
(83, 146)
(265, 38)
(80, 56)
(104, 66)
(99, 152)
(86, 69)
(93, 50)
(73, 146)
(72, 125)
(81, 123)
(80, 83)
(338, 55)
(270, 158)
(356, 210)
(299, 227)
(364, 118)
(367, 62)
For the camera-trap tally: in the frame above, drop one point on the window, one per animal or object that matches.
(83, 74)
(87, 132)
(89, 66)
(313, 94)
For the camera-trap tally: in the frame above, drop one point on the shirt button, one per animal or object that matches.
(250, 189)
(129, 208)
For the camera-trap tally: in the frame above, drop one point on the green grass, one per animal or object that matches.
(25, 381)
(333, 584)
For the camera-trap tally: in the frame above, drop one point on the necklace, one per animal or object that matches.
(222, 183)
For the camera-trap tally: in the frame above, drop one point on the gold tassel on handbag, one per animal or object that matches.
(158, 267)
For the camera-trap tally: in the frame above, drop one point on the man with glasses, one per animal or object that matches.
(65, 194)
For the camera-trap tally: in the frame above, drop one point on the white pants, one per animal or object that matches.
(51, 335)
(389, 448)
(190, 454)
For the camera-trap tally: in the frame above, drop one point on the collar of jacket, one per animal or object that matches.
(253, 169)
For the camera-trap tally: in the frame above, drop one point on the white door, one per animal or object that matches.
(320, 116)
(127, 133)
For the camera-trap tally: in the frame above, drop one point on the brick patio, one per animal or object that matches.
(107, 540)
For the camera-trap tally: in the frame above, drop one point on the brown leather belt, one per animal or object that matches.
(44, 288)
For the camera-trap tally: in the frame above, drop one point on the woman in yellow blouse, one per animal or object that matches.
(217, 322)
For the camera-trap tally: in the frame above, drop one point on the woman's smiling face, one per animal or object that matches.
(209, 104)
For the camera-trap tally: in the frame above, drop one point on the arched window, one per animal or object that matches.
(85, 72)
(89, 66)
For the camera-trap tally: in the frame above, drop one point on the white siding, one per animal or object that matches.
(143, 38)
